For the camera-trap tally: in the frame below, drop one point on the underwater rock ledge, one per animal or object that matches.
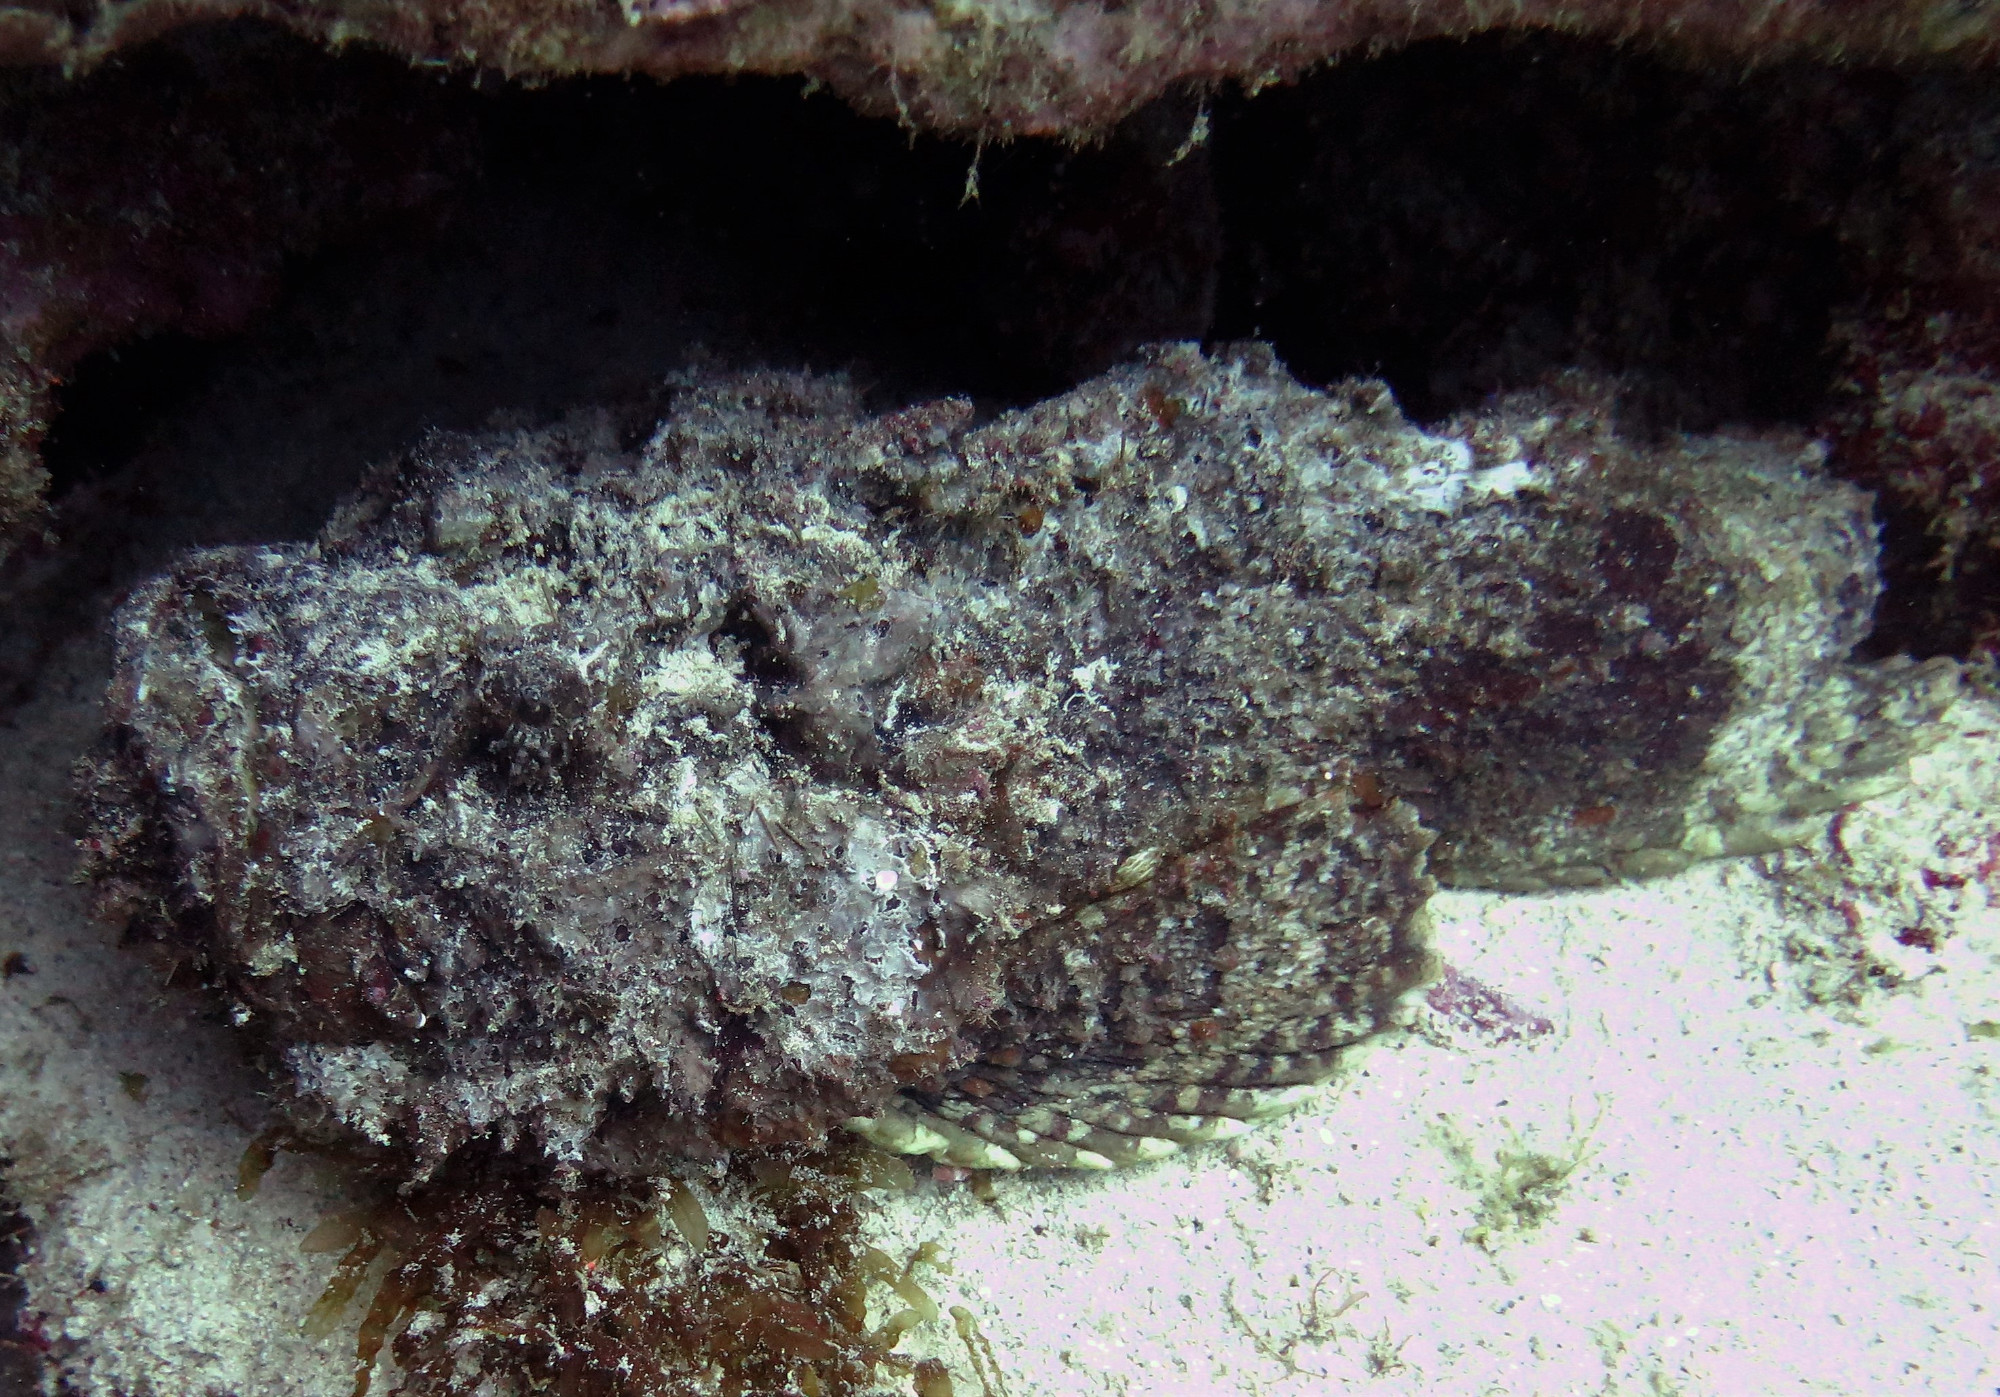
(1054, 791)
(1040, 68)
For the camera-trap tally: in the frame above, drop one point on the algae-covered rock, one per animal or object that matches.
(1054, 790)
(1039, 67)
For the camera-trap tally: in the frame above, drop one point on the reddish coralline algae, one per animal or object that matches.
(1058, 791)
(1471, 1006)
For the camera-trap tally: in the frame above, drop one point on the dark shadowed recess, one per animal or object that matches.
(1459, 218)
(1466, 217)
(21, 1346)
(1462, 218)
(584, 240)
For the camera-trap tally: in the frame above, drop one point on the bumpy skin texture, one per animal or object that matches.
(1020, 67)
(1054, 791)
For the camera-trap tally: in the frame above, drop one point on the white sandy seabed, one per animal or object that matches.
(1756, 1151)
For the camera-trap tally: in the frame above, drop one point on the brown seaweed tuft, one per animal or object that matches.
(500, 1283)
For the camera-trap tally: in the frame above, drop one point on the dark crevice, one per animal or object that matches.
(1464, 218)
(21, 1344)
(1923, 613)
(108, 408)
(750, 636)
(1458, 218)
(568, 245)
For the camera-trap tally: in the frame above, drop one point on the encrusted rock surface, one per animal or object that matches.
(1037, 67)
(1057, 790)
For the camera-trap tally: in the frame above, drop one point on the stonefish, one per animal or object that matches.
(1057, 790)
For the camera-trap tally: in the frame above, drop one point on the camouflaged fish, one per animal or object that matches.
(1053, 791)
